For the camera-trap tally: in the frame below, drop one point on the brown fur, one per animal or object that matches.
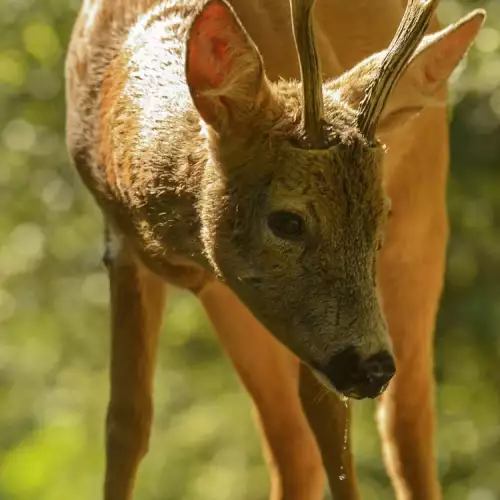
(187, 150)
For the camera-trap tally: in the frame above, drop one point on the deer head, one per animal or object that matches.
(293, 208)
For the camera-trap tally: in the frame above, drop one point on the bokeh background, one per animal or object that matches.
(54, 296)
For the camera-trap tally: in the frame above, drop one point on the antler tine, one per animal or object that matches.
(411, 30)
(312, 95)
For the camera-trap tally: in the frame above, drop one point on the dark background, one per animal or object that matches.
(54, 317)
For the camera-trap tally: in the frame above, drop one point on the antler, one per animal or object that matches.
(411, 30)
(312, 95)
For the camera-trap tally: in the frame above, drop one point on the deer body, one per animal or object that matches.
(185, 120)
(344, 38)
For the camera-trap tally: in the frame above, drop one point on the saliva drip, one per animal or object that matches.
(342, 475)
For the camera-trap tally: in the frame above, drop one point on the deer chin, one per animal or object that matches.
(355, 395)
(349, 393)
(329, 386)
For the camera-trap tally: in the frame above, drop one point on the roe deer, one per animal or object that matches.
(218, 171)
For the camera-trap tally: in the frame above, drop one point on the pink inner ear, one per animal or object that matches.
(208, 55)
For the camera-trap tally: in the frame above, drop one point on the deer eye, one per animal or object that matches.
(286, 225)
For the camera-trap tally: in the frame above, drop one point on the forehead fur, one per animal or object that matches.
(338, 187)
(340, 119)
(276, 121)
(349, 171)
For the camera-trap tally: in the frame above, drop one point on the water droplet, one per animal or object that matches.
(342, 477)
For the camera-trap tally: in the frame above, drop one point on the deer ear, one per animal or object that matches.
(424, 78)
(224, 69)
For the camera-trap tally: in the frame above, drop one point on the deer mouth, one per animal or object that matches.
(366, 387)
(368, 393)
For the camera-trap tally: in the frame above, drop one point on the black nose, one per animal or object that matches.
(359, 378)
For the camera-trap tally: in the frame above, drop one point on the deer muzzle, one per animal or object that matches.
(351, 375)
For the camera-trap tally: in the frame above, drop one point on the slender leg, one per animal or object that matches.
(137, 301)
(329, 417)
(270, 373)
(406, 414)
(410, 276)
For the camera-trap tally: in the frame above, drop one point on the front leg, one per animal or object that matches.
(329, 418)
(137, 302)
(270, 373)
(411, 272)
(411, 289)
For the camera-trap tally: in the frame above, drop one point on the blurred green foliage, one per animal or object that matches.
(54, 321)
